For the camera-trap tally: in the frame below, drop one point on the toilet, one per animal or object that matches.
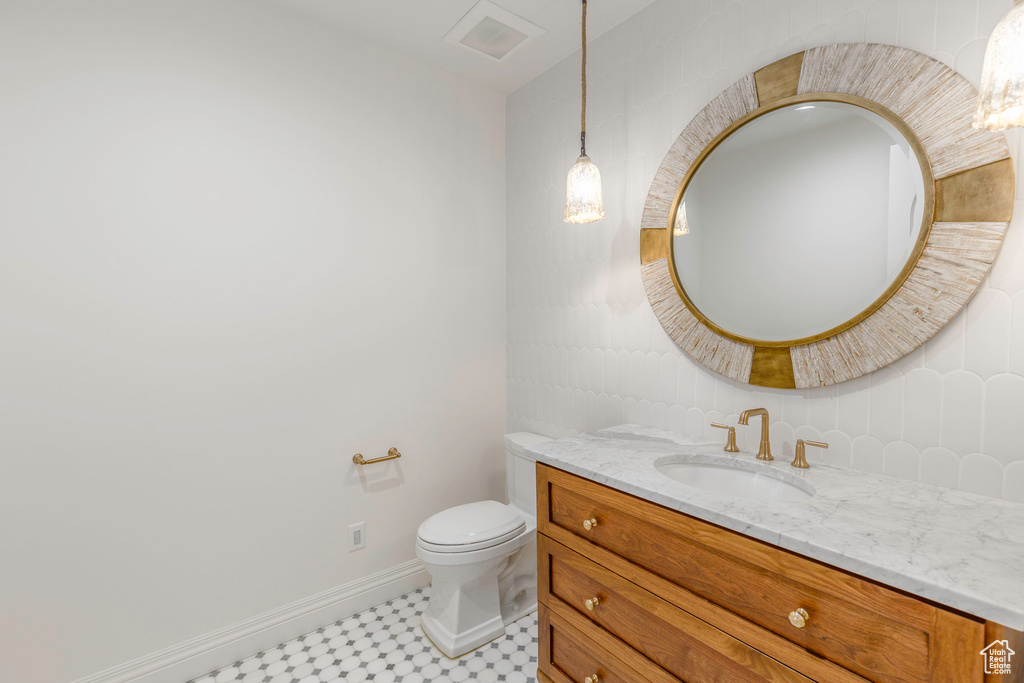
(482, 559)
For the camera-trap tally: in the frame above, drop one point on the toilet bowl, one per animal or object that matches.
(482, 559)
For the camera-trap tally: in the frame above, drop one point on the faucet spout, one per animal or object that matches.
(764, 451)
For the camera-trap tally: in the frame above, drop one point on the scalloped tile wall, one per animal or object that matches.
(585, 351)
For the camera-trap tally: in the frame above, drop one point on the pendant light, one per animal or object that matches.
(682, 226)
(583, 200)
(1001, 102)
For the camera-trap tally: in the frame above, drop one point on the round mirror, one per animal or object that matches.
(835, 210)
(801, 222)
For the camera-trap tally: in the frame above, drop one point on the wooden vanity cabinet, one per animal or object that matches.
(631, 590)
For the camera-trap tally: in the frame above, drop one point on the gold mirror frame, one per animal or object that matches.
(969, 183)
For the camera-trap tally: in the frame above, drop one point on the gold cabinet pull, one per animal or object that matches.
(591, 603)
(393, 454)
(593, 678)
(799, 618)
(589, 524)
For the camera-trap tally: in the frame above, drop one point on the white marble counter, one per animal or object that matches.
(952, 547)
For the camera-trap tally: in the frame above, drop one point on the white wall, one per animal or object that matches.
(586, 352)
(235, 249)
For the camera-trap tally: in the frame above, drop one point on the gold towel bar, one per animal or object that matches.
(360, 460)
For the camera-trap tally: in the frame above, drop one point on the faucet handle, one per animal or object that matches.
(800, 459)
(730, 446)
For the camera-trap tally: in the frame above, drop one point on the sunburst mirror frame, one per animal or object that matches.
(971, 208)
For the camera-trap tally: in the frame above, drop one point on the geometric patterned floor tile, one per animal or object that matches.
(385, 644)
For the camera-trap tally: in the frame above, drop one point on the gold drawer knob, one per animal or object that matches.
(799, 618)
(592, 679)
(589, 524)
(592, 603)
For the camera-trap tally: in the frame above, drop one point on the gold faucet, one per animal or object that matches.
(800, 460)
(764, 451)
(730, 445)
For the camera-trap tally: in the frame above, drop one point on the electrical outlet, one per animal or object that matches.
(356, 536)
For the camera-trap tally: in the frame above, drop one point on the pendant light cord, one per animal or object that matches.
(583, 79)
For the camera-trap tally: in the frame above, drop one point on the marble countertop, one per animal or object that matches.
(951, 547)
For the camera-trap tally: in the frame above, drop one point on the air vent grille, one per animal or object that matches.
(493, 38)
(492, 31)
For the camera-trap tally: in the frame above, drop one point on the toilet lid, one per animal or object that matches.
(470, 527)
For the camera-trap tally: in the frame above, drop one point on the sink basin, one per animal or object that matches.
(760, 482)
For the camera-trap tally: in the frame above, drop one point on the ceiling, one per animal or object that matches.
(415, 28)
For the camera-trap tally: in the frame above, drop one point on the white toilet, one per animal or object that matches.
(482, 559)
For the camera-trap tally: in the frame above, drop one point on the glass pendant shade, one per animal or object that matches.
(1001, 102)
(583, 200)
(681, 227)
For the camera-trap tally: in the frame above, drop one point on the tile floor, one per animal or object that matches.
(385, 644)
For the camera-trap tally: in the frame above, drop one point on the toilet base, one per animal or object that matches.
(464, 610)
(471, 603)
(455, 645)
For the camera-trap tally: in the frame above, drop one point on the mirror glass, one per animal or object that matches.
(799, 221)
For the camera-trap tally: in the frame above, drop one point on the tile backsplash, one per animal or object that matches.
(585, 350)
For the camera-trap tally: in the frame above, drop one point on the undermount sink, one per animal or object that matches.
(755, 480)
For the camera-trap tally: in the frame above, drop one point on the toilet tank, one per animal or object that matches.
(521, 471)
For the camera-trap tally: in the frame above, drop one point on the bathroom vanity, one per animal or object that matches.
(862, 578)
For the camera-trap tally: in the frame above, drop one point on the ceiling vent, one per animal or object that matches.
(492, 31)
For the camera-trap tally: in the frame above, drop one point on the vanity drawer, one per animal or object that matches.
(675, 640)
(876, 632)
(567, 655)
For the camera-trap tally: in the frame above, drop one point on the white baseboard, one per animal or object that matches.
(185, 661)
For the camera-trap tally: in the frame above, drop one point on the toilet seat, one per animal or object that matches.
(474, 526)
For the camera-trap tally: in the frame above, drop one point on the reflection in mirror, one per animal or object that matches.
(799, 221)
